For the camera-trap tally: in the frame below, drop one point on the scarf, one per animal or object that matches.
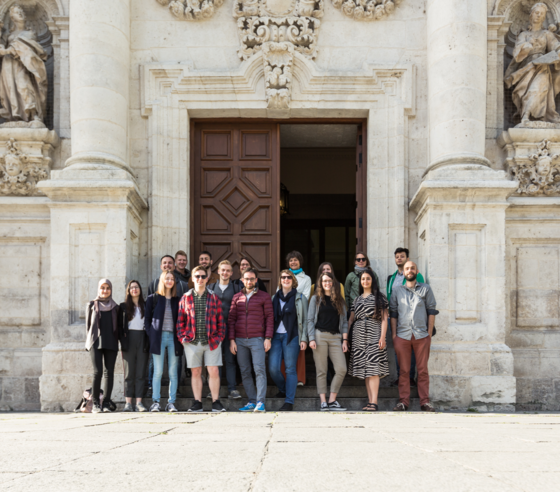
(286, 315)
(358, 270)
(101, 304)
(296, 272)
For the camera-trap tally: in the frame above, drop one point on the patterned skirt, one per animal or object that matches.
(366, 359)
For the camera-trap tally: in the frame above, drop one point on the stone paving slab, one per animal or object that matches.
(280, 451)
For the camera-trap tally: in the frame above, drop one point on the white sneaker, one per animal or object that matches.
(155, 407)
(335, 407)
(170, 408)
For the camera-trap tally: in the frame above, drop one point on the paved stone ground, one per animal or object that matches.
(273, 451)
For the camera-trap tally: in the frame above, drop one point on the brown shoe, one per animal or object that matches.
(400, 407)
(427, 407)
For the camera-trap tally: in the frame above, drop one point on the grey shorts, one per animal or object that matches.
(197, 353)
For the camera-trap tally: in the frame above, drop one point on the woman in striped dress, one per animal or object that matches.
(368, 355)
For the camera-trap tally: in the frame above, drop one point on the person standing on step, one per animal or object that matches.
(290, 337)
(327, 326)
(326, 267)
(205, 260)
(160, 322)
(225, 289)
(134, 345)
(401, 257)
(182, 273)
(294, 261)
(352, 284)
(244, 264)
(102, 342)
(251, 326)
(413, 315)
(201, 330)
(368, 354)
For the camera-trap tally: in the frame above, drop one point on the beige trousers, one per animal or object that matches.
(329, 345)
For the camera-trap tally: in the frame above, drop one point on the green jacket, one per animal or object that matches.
(419, 278)
(352, 287)
(301, 311)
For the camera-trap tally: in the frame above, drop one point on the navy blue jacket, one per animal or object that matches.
(153, 322)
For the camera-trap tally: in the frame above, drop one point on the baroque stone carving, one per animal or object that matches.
(192, 10)
(366, 10)
(540, 174)
(23, 75)
(19, 176)
(534, 73)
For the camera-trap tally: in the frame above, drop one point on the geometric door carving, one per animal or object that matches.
(236, 191)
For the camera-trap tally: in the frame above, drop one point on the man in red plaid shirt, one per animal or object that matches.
(201, 330)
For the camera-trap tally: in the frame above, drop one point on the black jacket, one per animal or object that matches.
(225, 296)
(153, 322)
(123, 330)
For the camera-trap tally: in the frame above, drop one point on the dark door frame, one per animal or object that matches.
(361, 167)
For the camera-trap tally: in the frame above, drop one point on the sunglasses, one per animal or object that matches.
(286, 277)
(201, 276)
(360, 259)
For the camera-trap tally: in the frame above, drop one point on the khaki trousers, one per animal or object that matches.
(329, 345)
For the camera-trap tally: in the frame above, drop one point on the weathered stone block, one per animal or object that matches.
(27, 362)
(13, 390)
(494, 390)
(450, 391)
(5, 362)
(31, 393)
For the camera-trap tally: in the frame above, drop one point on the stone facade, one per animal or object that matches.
(475, 199)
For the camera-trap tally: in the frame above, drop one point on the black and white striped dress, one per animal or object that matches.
(365, 357)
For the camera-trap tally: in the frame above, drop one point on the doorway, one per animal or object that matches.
(318, 172)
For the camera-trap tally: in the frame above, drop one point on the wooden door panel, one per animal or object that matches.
(236, 203)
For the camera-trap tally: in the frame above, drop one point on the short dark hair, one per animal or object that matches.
(205, 253)
(294, 254)
(401, 250)
(166, 256)
(251, 270)
(181, 253)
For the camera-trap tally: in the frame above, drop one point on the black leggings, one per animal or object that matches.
(97, 358)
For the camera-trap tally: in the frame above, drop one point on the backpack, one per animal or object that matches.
(86, 405)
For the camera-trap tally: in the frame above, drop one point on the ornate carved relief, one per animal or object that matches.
(192, 10)
(366, 10)
(539, 173)
(18, 175)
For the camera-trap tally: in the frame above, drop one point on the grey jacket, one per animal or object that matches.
(301, 311)
(313, 314)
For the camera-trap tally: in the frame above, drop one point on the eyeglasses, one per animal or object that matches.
(286, 277)
(250, 279)
(201, 276)
(327, 281)
(361, 259)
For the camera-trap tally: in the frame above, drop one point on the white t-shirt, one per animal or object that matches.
(137, 323)
(281, 328)
(223, 287)
(250, 294)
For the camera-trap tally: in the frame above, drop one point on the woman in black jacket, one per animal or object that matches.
(102, 342)
(160, 321)
(134, 345)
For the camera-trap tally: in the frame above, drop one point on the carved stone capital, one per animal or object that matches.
(366, 10)
(192, 10)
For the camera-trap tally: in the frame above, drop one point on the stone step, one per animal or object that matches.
(300, 404)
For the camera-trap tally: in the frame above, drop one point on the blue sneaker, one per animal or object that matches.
(260, 407)
(250, 407)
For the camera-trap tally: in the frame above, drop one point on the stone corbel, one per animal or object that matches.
(278, 59)
(192, 10)
(366, 10)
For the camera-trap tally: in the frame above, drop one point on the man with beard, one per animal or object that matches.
(413, 314)
(205, 260)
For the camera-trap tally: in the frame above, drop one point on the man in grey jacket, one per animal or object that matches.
(413, 314)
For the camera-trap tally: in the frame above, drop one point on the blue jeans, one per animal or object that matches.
(279, 350)
(167, 343)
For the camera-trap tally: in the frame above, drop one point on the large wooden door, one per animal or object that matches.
(236, 189)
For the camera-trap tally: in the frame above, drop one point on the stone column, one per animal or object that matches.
(457, 61)
(99, 83)
(460, 206)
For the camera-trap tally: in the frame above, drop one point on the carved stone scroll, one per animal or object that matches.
(192, 10)
(366, 10)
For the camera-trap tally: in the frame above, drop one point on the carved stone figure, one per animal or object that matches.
(192, 10)
(23, 75)
(534, 73)
(540, 174)
(17, 175)
(366, 10)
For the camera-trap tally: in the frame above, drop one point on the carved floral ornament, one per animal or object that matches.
(278, 29)
(19, 176)
(539, 173)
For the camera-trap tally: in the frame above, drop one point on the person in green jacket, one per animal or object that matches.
(401, 257)
(352, 284)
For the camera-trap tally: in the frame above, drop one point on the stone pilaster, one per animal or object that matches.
(460, 208)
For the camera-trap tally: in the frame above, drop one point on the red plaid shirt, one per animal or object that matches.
(186, 321)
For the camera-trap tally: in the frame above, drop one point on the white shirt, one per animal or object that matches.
(223, 287)
(281, 328)
(250, 294)
(304, 285)
(136, 323)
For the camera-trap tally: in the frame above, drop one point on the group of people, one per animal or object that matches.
(219, 323)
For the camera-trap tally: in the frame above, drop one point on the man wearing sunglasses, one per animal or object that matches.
(201, 330)
(250, 331)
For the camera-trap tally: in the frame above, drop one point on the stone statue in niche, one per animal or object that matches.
(18, 176)
(534, 73)
(23, 75)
